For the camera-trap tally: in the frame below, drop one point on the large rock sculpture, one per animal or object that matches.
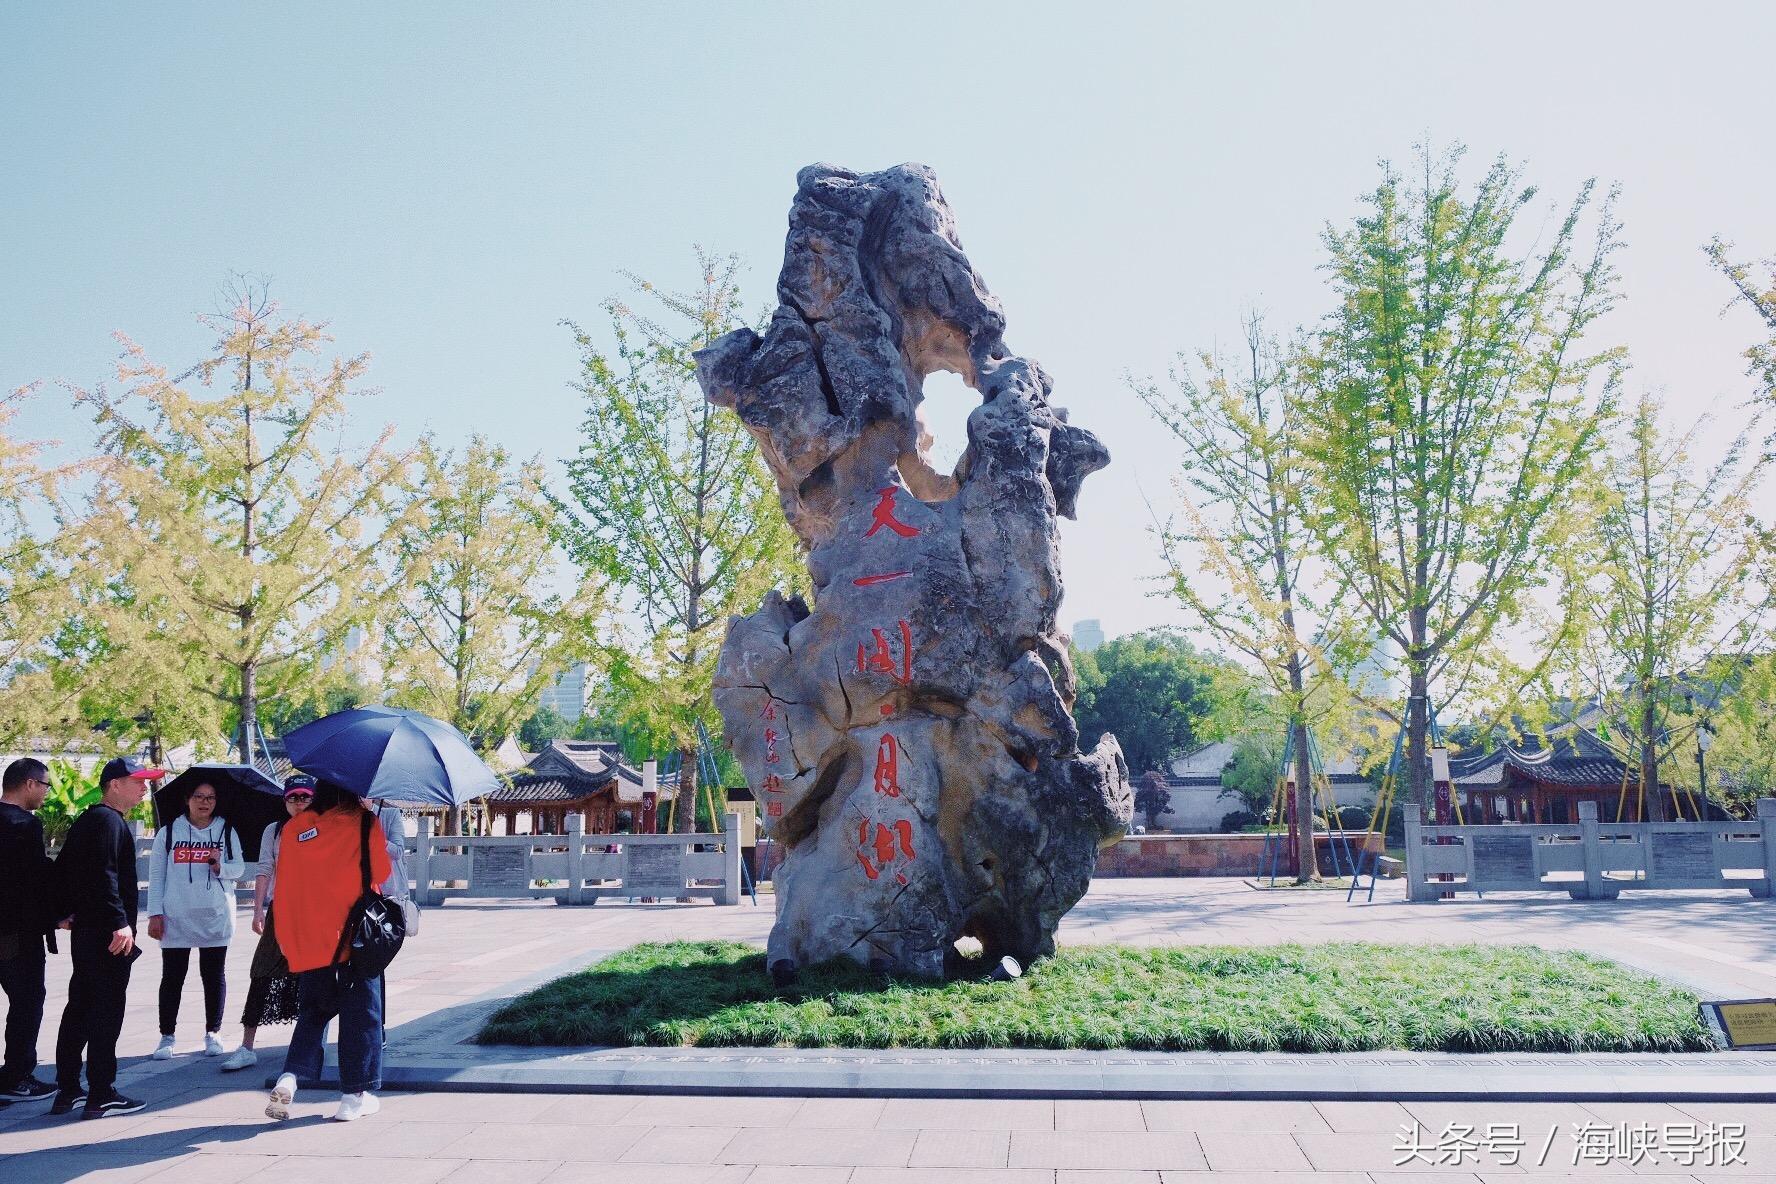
(910, 739)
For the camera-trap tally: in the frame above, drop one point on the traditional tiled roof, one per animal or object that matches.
(1573, 758)
(573, 770)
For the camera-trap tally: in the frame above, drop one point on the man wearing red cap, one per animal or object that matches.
(97, 871)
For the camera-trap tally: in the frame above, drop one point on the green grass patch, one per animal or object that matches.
(1295, 998)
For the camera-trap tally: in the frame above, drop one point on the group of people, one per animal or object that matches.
(307, 882)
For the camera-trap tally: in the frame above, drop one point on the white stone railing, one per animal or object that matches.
(576, 868)
(1591, 860)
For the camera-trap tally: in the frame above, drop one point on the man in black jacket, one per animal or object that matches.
(97, 874)
(26, 920)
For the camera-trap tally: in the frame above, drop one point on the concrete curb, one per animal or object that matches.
(1741, 1077)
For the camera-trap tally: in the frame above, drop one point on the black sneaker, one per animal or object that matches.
(66, 1100)
(116, 1103)
(28, 1090)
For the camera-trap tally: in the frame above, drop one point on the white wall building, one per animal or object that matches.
(1088, 635)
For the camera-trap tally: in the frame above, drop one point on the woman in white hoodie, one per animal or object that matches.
(191, 876)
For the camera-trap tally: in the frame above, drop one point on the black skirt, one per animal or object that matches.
(271, 995)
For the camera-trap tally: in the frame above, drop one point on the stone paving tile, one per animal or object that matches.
(648, 1173)
(1353, 1151)
(774, 1174)
(1529, 1116)
(968, 1114)
(1094, 1114)
(1212, 1115)
(1657, 1113)
(1083, 1149)
(680, 1144)
(1251, 1151)
(952, 1176)
(505, 1140)
(311, 1133)
(1363, 1116)
(961, 1149)
(84, 1166)
(592, 1109)
(830, 1147)
(489, 1171)
(1173, 1177)
(856, 1113)
(301, 1169)
(1117, 1176)
(213, 1169)
(1758, 1118)
(692, 1109)
(403, 1140)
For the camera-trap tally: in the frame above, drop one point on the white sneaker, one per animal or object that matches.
(282, 1094)
(353, 1106)
(213, 1046)
(164, 1050)
(240, 1058)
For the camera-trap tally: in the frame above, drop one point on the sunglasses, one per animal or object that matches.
(299, 797)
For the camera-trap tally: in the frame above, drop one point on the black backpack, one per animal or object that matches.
(375, 927)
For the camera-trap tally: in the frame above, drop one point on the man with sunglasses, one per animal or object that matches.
(27, 926)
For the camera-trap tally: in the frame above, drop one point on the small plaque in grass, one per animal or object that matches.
(1746, 1023)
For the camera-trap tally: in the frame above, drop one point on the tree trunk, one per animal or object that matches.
(248, 732)
(1307, 860)
(1418, 735)
(1649, 763)
(684, 813)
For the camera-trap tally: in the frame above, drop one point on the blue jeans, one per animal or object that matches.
(338, 991)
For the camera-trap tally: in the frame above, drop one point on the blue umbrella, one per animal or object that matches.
(388, 753)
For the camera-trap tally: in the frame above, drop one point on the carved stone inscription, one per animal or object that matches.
(653, 869)
(1503, 858)
(1683, 856)
(499, 870)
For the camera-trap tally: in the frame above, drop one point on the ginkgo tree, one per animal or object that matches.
(481, 619)
(1759, 295)
(1455, 399)
(668, 503)
(1238, 557)
(245, 531)
(1668, 572)
(35, 697)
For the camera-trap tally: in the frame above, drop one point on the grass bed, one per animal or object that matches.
(1295, 998)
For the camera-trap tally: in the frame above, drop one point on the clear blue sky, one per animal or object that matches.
(445, 182)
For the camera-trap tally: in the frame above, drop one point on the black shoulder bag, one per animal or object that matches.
(375, 927)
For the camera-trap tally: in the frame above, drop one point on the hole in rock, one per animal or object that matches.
(943, 416)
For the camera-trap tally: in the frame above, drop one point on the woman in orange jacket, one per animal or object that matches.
(320, 865)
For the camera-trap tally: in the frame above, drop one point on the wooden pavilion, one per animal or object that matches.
(584, 777)
(1545, 780)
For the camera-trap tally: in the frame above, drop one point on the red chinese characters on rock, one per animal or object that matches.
(878, 656)
(773, 809)
(879, 846)
(888, 766)
(771, 738)
(883, 515)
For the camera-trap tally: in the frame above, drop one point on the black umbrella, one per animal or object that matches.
(245, 795)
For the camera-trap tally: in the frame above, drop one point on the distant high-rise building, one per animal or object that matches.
(1088, 635)
(359, 658)
(567, 694)
(1378, 675)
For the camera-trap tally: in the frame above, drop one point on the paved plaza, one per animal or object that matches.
(205, 1126)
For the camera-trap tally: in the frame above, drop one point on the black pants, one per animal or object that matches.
(94, 1016)
(21, 977)
(210, 963)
